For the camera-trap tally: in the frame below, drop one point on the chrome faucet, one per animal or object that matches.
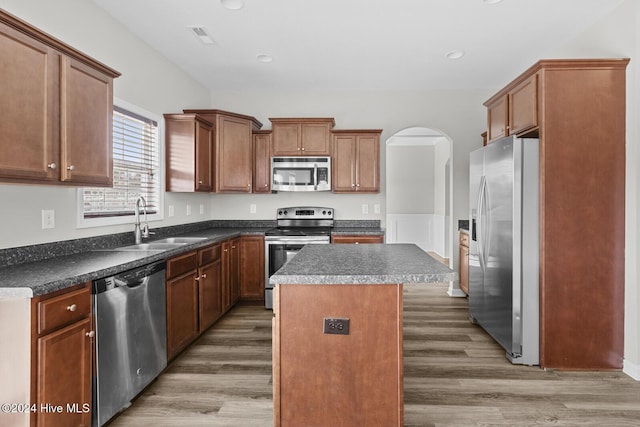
(141, 231)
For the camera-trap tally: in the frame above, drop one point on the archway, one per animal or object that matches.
(418, 190)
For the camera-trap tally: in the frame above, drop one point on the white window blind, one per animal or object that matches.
(135, 169)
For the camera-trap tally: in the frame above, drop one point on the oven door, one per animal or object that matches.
(277, 254)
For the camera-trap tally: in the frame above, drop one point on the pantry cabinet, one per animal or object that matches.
(356, 161)
(189, 154)
(57, 110)
(576, 108)
(301, 136)
(262, 161)
(62, 347)
(232, 149)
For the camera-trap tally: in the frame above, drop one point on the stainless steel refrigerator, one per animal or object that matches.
(504, 247)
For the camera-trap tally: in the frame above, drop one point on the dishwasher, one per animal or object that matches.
(131, 337)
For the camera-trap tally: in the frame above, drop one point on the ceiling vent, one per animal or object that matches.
(202, 34)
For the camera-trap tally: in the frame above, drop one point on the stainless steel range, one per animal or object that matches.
(296, 227)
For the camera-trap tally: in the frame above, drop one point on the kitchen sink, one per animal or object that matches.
(153, 246)
(180, 240)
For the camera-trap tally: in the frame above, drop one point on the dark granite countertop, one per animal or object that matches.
(363, 264)
(48, 268)
(41, 277)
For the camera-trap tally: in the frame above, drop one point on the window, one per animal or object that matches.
(136, 172)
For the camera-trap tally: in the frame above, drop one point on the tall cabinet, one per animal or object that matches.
(577, 109)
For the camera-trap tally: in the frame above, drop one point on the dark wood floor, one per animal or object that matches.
(455, 375)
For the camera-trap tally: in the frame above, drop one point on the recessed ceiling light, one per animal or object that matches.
(454, 54)
(491, 1)
(233, 4)
(263, 57)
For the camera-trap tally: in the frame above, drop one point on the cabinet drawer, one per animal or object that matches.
(208, 255)
(63, 310)
(464, 239)
(182, 264)
(358, 239)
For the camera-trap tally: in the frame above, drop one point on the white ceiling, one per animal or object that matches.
(357, 44)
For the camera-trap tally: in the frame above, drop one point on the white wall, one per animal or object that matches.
(442, 152)
(148, 81)
(618, 35)
(410, 179)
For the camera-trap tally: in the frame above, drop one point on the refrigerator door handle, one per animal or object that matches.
(480, 222)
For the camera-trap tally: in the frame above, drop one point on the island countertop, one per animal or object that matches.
(345, 264)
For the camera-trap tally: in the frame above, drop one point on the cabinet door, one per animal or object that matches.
(261, 163)
(315, 139)
(368, 164)
(343, 167)
(210, 282)
(464, 262)
(234, 158)
(86, 113)
(497, 119)
(225, 293)
(64, 375)
(29, 77)
(286, 139)
(182, 313)
(252, 268)
(523, 106)
(204, 157)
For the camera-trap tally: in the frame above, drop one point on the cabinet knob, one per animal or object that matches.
(265, 186)
(200, 182)
(71, 167)
(302, 148)
(226, 250)
(197, 278)
(52, 166)
(72, 307)
(233, 246)
(204, 276)
(298, 148)
(90, 334)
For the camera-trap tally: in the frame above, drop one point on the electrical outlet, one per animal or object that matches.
(252, 208)
(376, 208)
(188, 210)
(336, 326)
(172, 211)
(201, 209)
(365, 209)
(48, 219)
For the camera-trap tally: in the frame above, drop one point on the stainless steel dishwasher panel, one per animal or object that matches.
(131, 337)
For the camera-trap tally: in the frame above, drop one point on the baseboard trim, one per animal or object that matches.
(631, 369)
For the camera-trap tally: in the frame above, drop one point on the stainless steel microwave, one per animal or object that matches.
(302, 173)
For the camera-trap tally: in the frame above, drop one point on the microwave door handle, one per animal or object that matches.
(315, 176)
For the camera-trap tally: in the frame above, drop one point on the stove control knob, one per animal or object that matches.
(285, 212)
(329, 212)
(324, 212)
(279, 212)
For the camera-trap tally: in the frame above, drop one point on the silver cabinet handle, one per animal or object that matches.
(90, 334)
(204, 276)
(71, 167)
(52, 166)
(72, 307)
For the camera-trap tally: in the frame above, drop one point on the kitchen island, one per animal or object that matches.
(337, 332)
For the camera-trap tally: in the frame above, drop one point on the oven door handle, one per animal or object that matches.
(295, 240)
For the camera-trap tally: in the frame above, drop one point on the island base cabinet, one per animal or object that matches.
(328, 379)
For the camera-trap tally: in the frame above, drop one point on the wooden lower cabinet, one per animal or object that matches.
(323, 379)
(230, 273)
(357, 239)
(464, 262)
(62, 348)
(252, 268)
(182, 312)
(209, 288)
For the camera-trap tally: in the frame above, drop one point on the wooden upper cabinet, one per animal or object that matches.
(232, 149)
(56, 113)
(189, 155)
(514, 111)
(356, 161)
(301, 137)
(261, 161)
